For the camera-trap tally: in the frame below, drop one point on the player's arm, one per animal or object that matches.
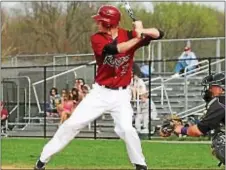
(154, 33)
(210, 121)
(149, 35)
(135, 40)
(190, 131)
(101, 49)
(137, 37)
(126, 46)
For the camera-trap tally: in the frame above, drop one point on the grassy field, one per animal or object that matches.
(23, 153)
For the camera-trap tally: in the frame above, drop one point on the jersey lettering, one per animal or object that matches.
(115, 62)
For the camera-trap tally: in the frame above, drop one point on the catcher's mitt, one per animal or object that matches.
(168, 125)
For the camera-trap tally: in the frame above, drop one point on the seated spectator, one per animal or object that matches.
(187, 58)
(54, 102)
(75, 96)
(4, 116)
(78, 85)
(66, 107)
(85, 90)
(145, 71)
(79, 82)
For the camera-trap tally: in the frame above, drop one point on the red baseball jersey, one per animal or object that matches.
(114, 70)
(4, 112)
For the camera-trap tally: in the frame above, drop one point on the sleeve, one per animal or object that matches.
(97, 45)
(4, 112)
(194, 61)
(147, 39)
(144, 42)
(142, 86)
(215, 114)
(182, 55)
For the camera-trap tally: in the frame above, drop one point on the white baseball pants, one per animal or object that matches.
(91, 107)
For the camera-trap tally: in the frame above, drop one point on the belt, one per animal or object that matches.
(114, 88)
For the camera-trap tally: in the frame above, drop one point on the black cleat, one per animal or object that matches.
(141, 167)
(39, 165)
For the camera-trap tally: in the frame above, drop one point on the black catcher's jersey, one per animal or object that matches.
(215, 115)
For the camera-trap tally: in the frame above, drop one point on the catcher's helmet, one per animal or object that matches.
(109, 15)
(217, 79)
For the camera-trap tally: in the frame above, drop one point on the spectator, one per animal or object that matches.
(54, 102)
(136, 69)
(63, 93)
(137, 85)
(142, 117)
(4, 116)
(187, 58)
(85, 90)
(145, 70)
(78, 85)
(139, 91)
(74, 95)
(66, 107)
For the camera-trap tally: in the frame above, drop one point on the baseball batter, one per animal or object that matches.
(114, 50)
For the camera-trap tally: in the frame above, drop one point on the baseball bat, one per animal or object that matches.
(130, 12)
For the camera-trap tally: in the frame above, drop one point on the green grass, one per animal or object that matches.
(107, 154)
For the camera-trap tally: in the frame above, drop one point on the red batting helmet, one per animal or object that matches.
(109, 15)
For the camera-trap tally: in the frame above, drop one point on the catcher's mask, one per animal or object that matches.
(217, 79)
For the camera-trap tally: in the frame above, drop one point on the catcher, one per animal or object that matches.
(214, 119)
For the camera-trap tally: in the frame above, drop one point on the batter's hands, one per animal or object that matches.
(138, 27)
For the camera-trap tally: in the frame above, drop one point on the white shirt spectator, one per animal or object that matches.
(138, 85)
(142, 116)
(188, 57)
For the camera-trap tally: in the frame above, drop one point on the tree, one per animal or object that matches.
(187, 20)
(7, 44)
(65, 27)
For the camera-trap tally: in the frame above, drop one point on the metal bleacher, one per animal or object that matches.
(105, 125)
(181, 96)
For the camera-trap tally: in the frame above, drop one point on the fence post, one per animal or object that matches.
(18, 101)
(45, 101)
(149, 105)
(54, 71)
(95, 121)
(209, 133)
(210, 60)
(67, 84)
(218, 66)
(186, 91)
(159, 56)
(1, 81)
